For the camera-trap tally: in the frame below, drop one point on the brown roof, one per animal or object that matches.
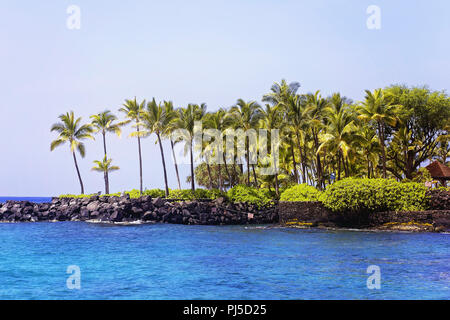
(438, 170)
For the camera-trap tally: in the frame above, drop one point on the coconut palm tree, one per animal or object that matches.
(246, 117)
(339, 134)
(185, 120)
(376, 108)
(133, 110)
(315, 109)
(104, 122)
(71, 131)
(105, 167)
(220, 121)
(271, 120)
(156, 119)
(169, 109)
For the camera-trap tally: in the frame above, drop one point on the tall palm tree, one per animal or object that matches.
(105, 167)
(247, 116)
(281, 92)
(71, 131)
(339, 134)
(186, 120)
(296, 118)
(220, 121)
(133, 110)
(104, 122)
(376, 108)
(315, 109)
(169, 109)
(271, 120)
(156, 119)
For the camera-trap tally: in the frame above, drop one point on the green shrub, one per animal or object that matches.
(155, 193)
(242, 193)
(301, 192)
(373, 195)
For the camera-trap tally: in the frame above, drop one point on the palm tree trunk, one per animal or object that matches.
(248, 164)
(383, 151)
(302, 159)
(140, 160)
(220, 176)
(78, 172)
(164, 165)
(208, 168)
(175, 162)
(276, 176)
(192, 167)
(294, 163)
(368, 166)
(230, 179)
(106, 172)
(339, 165)
(254, 176)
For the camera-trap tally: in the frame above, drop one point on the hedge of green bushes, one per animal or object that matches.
(372, 195)
(243, 193)
(301, 192)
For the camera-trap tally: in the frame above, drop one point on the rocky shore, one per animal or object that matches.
(142, 210)
(123, 210)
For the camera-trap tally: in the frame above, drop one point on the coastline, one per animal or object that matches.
(122, 211)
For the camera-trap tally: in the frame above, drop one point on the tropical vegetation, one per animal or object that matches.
(326, 143)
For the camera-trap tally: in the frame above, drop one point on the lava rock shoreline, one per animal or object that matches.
(145, 209)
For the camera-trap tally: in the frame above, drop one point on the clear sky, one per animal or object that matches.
(188, 51)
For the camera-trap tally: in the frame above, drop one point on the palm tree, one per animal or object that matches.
(71, 131)
(169, 109)
(271, 120)
(133, 111)
(281, 92)
(186, 121)
(339, 134)
(247, 116)
(220, 121)
(376, 108)
(315, 109)
(103, 122)
(296, 118)
(105, 167)
(156, 119)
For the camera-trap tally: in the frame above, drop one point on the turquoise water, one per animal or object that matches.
(212, 262)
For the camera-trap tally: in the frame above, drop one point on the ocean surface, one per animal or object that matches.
(31, 199)
(164, 261)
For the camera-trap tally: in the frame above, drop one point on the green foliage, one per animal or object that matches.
(242, 193)
(301, 192)
(155, 193)
(373, 195)
(188, 194)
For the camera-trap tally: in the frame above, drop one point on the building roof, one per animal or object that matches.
(438, 170)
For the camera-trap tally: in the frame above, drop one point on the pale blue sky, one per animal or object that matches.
(189, 51)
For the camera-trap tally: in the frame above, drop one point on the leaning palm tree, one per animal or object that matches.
(376, 108)
(104, 122)
(247, 116)
(186, 122)
(133, 111)
(105, 167)
(71, 131)
(156, 119)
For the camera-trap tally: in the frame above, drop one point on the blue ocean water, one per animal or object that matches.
(31, 199)
(164, 261)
